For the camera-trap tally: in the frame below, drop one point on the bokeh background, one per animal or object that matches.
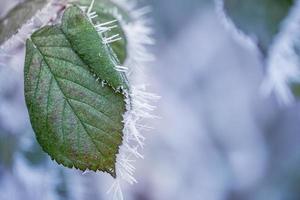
(217, 137)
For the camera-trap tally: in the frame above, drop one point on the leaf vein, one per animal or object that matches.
(69, 105)
(99, 129)
(94, 92)
(37, 83)
(102, 113)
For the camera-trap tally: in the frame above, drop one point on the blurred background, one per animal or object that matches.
(217, 139)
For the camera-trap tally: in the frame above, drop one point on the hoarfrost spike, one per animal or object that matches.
(283, 63)
(44, 16)
(111, 39)
(238, 35)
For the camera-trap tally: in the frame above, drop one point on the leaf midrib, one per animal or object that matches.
(66, 99)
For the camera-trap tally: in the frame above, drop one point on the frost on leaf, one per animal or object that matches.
(107, 24)
(13, 21)
(77, 120)
(274, 27)
(259, 19)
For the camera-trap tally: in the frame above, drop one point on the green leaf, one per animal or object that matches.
(260, 19)
(89, 46)
(77, 120)
(104, 10)
(19, 15)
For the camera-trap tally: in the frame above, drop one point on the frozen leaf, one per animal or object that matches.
(259, 19)
(104, 10)
(89, 46)
(13, 21)
(77, 120)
